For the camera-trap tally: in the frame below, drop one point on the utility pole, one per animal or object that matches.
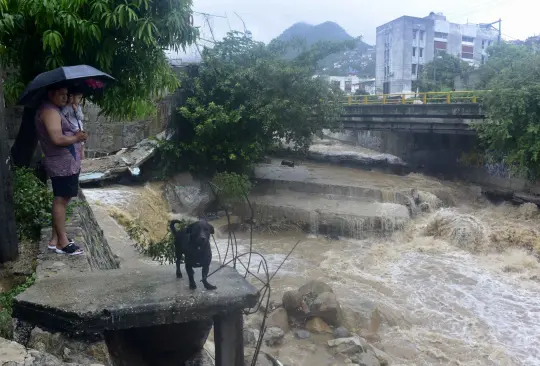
(9, 246)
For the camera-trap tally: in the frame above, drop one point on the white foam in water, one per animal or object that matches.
(107, 196)
(455, 296)
(273, 260)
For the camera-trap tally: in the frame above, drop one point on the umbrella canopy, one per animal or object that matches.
(86, 76)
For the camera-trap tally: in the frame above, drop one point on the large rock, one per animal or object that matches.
(348, 346)
(69, 349)
(314, 288)
(367, 358)
(187, 199)
(14, 354)
(314, 299)
(251, 336)
(317, 325)
(294, 304)
(273, 336)
(278, 318)
(327, 307)
(341, 332)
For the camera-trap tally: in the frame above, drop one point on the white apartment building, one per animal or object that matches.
(405, 44)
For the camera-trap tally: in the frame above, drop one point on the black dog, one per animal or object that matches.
(194, 243)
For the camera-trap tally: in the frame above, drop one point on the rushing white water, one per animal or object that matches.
(454, 287)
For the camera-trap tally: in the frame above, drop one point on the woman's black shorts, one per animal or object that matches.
(67, 186)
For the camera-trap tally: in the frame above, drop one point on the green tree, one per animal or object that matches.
(500, 57)
(245, 97)
(512, 130)
(439, 74)
(126, 39)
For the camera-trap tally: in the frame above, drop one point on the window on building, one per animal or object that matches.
(483, 44)
(467, 39)
(421, 35)
(420, 69)
(414, 33)
(348, 86)
(439, 45)
(336, 84)
(414, 51)
(483, 59)
(414, 66)
(467, 52)
(421, 54)
(441, 35)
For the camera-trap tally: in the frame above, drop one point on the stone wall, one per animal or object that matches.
(100, 255)
(84, 229)
(106, 135)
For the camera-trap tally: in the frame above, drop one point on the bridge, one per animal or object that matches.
(431, 112)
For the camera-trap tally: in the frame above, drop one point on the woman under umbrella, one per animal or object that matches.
(61, 145)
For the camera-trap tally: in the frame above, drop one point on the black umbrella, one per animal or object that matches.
(87, 77)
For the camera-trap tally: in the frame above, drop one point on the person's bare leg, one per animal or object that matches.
(59, 220)
(54, 237)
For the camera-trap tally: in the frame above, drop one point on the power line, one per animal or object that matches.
(209, 15)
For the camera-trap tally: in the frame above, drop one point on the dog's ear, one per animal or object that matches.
(211, 229)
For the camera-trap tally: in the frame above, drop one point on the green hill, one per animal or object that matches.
(358, 61)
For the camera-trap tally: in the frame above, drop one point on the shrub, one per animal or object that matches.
(32, 203)
(232, 187)
(6, 306)
(161, 251)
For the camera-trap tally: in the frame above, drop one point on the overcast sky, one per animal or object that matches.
(266, 19)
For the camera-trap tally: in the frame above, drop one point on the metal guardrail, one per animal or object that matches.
(453, 97)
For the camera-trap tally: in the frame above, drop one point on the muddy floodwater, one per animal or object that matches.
(458, 283)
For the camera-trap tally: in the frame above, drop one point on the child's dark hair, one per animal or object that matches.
(75, 90)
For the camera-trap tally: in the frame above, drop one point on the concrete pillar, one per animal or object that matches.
(229, 339)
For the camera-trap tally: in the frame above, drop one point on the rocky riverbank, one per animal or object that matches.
(312, 316)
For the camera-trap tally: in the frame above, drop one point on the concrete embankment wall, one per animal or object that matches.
(441, 154)
(85, 230)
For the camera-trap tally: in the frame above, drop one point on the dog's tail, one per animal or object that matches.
(172, 224)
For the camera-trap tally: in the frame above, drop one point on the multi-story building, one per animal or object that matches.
(405, 44)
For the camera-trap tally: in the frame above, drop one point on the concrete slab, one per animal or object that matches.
(91, 303)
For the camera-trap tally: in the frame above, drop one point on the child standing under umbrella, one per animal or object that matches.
(73, 112)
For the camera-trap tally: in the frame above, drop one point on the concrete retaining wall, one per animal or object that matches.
(84, 229)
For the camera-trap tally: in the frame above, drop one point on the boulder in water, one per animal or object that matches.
(367, 358)
(341, 332)
(302, 334)
(184, 195)
(251, 336)
(273, 336)
(288, 163)
(278, 318)
(348, 346)
(317, 325)
(314, 299)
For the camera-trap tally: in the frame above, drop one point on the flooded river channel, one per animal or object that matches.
(456, 282)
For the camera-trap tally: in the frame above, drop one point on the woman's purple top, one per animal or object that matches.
(59, 161)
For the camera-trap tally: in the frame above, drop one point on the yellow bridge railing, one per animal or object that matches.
(453, 97)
